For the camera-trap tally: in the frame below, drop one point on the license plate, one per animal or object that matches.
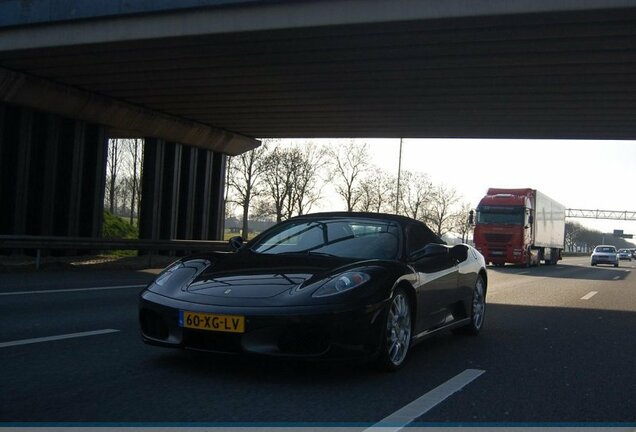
(212, 322)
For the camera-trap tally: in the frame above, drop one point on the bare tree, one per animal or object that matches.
(573, 231)
(440, 216)
(460, 225)
(112, 170)
(245, 173)
(292, 176)
(306, 185)
(368, 198)
(278, 177)
(377, 191)
(134, 148)
(415, 195)
(349, 163)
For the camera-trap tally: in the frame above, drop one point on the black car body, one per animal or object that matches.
(335, 285)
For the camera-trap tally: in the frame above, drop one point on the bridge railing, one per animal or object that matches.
(44, 243)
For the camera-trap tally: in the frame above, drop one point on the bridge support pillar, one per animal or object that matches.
(182, 192)
(52, 172)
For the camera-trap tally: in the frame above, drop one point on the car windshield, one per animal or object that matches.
(605, 249)
(513, 215)
(341, 237)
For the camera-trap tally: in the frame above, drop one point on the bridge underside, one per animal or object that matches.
(212, 78)
(565, 74)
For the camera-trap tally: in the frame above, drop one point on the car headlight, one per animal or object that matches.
(341, 283)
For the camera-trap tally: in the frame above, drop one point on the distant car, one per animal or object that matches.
(324, 285)
(624, 254)
(605, 254)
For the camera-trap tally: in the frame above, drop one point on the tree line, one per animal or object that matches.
(581, 239)
(279, 181)
(123, 177)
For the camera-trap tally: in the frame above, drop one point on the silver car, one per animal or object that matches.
(624, 254)
(605, 254)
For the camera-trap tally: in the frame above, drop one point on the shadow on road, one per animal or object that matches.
(567, 271)
(567, 364)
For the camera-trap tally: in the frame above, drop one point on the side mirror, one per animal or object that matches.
(236, 243)
(530, 219)
(471, 217)
(459, 252)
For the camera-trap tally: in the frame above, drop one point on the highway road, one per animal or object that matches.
(559, 346)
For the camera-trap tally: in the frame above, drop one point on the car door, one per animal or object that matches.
(436, 277)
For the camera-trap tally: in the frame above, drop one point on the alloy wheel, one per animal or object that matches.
(398, 329)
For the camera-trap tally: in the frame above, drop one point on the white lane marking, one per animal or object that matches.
(54, 338)
(425, 403)
(71, 290)
(616, 277)
(589, 295)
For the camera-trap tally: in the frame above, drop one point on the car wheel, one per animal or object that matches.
(592, 263)
(477, 310)
(396, 340)
(616, 265)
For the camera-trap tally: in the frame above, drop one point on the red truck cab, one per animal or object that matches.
(503, 226)
(519, 226)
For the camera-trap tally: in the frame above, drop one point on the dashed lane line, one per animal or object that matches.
(72, 290)
(589, 295)
(55, 338)
(425, 403)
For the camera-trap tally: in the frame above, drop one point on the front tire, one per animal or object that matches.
(477, 310)
(396, 340)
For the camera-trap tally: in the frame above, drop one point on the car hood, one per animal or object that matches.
(248, 278)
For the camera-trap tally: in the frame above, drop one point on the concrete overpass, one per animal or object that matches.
(202, 78)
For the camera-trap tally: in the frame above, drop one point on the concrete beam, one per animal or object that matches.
(21, 89)
(255, 16)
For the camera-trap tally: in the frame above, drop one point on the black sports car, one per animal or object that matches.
(323, 285)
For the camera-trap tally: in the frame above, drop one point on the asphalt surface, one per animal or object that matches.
(551, 350)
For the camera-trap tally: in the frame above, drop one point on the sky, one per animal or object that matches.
(597, 175)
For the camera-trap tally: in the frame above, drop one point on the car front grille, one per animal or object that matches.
(303, 340)
(212, 341)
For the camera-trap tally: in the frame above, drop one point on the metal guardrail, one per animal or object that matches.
(40, 243)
